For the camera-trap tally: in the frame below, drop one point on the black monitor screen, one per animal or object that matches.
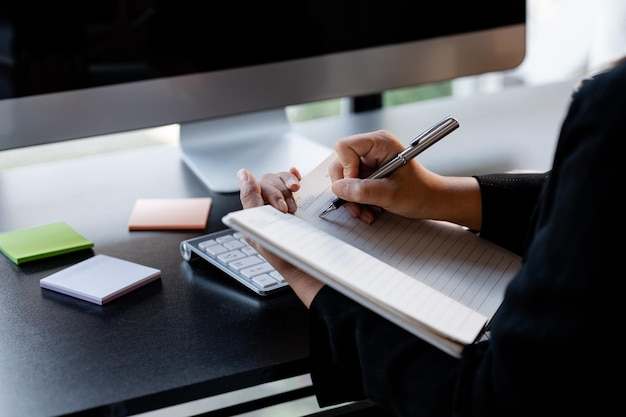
(73, 44)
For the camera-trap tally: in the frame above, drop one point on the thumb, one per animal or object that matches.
(354, 190)
(371, 192)
(249, 189)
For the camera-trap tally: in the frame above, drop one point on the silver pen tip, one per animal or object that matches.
(327, 210)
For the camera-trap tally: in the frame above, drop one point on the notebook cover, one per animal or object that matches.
(38, 242)
(170, 214)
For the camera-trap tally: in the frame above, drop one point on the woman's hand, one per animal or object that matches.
(277, 190)
(411, 191)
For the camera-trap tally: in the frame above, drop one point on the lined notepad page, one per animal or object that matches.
(433, 278)
(419, 306)
(442, 255)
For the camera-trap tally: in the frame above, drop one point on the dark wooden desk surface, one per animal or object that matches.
(193, 334)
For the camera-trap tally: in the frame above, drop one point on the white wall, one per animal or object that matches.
(566, 39)
(569, 38)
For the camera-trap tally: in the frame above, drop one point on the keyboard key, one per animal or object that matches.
(245, 262)
(255, 270)
(230, 252)
(233, 255)
(264, 280)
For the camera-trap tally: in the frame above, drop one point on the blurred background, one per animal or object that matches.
(566, 40)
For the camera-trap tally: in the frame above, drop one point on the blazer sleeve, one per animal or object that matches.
(508, 204)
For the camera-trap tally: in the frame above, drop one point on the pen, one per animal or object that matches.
(418, 145)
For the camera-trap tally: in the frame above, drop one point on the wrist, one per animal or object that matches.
(459, 201)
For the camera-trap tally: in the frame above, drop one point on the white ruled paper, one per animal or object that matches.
(433, 278)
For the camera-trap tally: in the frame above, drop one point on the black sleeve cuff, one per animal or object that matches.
(508, 204)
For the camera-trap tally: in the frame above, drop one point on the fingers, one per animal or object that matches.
(370, 195)
(249, 189)
(277, 189)
(366, 214)
(359, 155)
(274, 189)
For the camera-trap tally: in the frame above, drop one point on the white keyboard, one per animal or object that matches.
(228, 251)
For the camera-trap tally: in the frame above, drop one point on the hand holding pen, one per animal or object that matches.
(416, 146)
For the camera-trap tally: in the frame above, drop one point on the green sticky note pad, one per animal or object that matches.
(29, 244)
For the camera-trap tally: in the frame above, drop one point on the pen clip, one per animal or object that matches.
(418, 138)
(415, 141)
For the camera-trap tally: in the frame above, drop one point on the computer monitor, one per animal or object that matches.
(78, 69)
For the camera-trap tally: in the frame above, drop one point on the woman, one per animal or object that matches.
(553, 348)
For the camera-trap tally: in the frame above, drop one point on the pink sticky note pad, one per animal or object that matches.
(170, 214)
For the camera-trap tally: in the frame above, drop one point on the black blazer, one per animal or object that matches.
(554, 346)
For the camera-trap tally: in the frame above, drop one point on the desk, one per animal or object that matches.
(195, 333)
(191, 335)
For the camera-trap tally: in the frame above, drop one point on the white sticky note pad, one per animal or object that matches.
(100, 279)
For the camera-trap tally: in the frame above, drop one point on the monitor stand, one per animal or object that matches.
(261, 142)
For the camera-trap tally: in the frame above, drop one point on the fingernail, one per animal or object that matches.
(242, 175)
(353, 211)
(367, 217)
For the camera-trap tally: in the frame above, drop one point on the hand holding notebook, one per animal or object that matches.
(433, 278)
